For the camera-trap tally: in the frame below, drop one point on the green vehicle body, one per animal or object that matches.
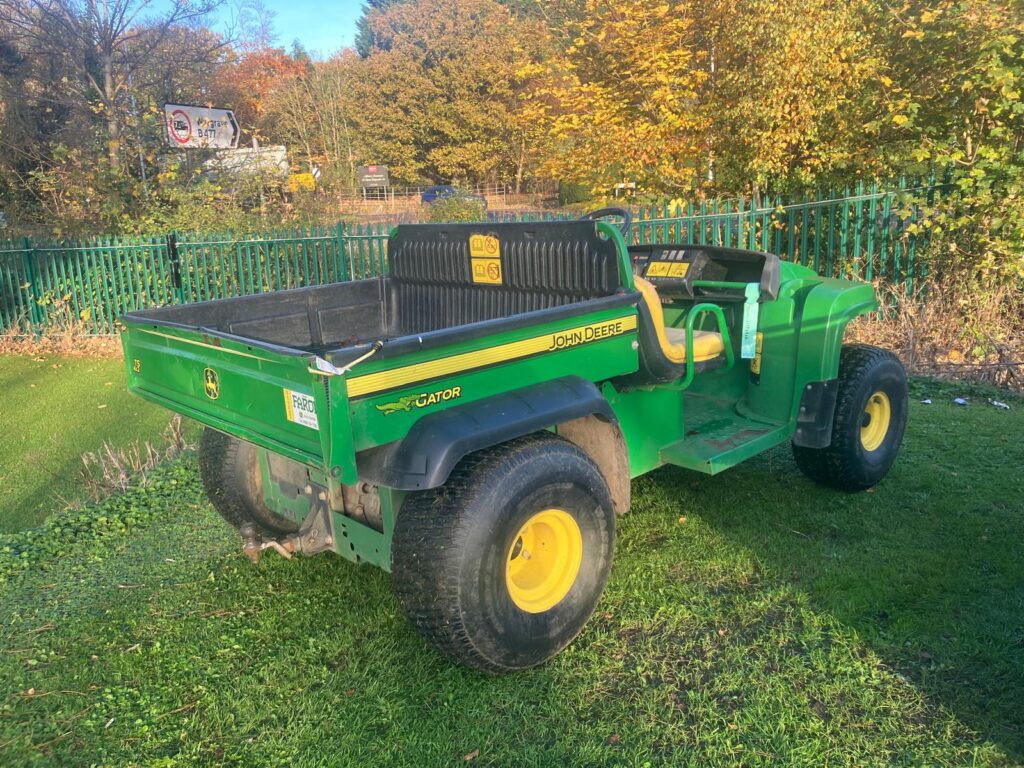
(367, 404)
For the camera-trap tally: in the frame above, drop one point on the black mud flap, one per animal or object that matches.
(817, 408)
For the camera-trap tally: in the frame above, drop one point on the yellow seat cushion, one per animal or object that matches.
(707, 345)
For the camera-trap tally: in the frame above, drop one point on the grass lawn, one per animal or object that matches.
(54, 410)
(752, 618)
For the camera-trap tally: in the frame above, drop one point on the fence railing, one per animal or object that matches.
(94, 281)
(862, 233)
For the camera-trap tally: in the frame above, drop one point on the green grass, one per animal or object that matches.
(54, 410)
(778, 624)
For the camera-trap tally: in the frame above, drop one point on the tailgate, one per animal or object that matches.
(266, 396)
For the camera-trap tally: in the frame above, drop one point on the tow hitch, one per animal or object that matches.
(315, 536)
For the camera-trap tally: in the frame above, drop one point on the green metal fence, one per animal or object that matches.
(94, 281)
(863, 233)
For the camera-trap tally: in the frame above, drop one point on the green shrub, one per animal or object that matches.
(570, 194)
(456, 208)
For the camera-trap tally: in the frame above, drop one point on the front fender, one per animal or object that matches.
(828, 308)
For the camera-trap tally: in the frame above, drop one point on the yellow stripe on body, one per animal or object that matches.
(566, 339)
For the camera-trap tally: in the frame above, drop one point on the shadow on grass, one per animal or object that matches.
(927, 568)
(750, 634)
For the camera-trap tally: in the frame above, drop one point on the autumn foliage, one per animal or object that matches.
(684, 99)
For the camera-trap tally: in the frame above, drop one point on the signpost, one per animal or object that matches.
(373, 176)
(191, 127)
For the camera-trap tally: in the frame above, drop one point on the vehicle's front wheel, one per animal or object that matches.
(501, 567)
(868, 425)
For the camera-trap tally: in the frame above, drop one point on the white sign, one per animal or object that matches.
(250, 161)
(300, 408)
(191, 127)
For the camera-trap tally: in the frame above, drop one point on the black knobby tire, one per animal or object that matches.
(847, 464)
(232, 481)
(452, 545)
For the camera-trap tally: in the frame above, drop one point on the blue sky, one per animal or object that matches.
(323, 26)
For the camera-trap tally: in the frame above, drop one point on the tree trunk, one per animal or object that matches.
(113, 126)
(520, 164)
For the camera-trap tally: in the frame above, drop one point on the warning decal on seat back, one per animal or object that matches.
(485, 259)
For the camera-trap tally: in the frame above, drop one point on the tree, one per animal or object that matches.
(620, 101)
(789, 88)
(319, 111)
(247, 84)
(954, 106)
(440, 90)
(364, 39)
(103, 44)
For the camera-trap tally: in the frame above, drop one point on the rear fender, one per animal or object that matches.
(436, 443)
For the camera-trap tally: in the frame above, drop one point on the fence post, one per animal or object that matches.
(172, 255)
(339, 253)
(28, 253)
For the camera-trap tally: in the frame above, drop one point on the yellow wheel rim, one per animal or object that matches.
(544, 560)
(874, 425)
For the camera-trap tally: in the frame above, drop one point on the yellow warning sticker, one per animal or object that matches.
(485, 259)
(667, 268)
(755, 364)
(484, 247)
(487, 271)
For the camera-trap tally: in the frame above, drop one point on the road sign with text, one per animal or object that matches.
(191, 127)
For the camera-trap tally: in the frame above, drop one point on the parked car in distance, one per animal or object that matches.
(439, 192)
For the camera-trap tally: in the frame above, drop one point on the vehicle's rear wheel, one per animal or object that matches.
(501, 567)
(232, 480)
(868, 425)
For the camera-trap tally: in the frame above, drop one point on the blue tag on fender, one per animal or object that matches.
(748, 338)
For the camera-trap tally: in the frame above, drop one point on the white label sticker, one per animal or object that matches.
(300, 408)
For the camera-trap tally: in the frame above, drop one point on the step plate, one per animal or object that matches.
(717, 437)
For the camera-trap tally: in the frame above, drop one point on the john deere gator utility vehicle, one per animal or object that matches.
(472, 420)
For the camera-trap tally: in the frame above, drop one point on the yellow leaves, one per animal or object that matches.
(900, 120)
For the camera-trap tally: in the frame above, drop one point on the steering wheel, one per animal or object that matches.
(602, 213)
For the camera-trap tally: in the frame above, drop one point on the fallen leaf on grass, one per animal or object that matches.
(613, 739)
(470, 756)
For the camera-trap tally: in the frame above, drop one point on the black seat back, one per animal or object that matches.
(543, 264)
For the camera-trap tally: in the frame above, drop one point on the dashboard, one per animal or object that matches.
(674, 270)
